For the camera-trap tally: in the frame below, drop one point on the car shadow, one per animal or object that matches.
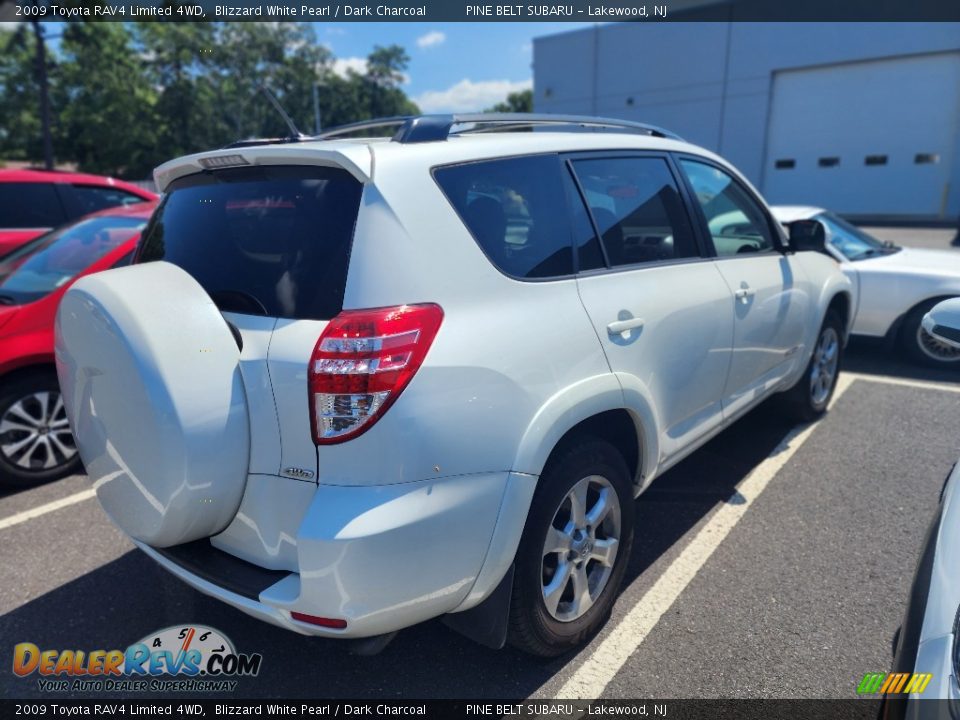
(872, 357)
(125, 600)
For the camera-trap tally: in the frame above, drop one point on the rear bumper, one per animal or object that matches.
(382, 558)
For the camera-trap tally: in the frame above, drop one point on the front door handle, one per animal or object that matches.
(618, 327)
(744, 293)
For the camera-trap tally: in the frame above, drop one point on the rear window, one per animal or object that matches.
(261, 241)
(29, 205)
(516, 210)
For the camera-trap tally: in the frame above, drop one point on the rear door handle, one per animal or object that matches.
(744, 294)
(618, 327)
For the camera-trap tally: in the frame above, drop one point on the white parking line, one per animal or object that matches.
(920, 384)
(44, 509)
(593, 676)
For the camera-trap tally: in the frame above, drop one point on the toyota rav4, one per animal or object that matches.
(350, 384)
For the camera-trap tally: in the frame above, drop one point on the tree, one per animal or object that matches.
(283, 57)
(517, 102)
(108, 117)
(128, 96)
(178, 58)
(386, 68)
(22, 95)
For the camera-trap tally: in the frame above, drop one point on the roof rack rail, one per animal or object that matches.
(429, 128)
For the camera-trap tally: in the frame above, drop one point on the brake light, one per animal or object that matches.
(362, 362)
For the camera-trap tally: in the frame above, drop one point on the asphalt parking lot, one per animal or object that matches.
(772, 563)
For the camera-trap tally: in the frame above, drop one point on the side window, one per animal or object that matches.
(84, 199)
(735, 220)
(29, 205)
(516, 210)
(637, 209)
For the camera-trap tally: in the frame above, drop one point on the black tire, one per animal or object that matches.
(803, 402)
(533, 628)
(25, 390)
(912, 338)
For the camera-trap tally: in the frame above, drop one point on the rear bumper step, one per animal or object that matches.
(231, 573)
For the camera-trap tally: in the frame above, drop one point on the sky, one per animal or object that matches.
(454, 67)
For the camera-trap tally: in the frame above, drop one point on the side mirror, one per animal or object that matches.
(807, 235)
(943, 322)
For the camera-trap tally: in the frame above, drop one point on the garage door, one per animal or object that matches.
(872, 138)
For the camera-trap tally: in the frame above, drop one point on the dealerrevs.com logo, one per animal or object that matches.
(188, 658)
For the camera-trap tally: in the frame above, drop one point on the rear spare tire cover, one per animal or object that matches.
(151, 382)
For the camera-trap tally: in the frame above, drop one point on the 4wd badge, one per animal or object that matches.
(299, 473)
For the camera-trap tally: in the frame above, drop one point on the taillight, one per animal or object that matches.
(362, 362)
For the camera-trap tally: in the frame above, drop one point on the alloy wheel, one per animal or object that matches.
(35, 433)
(580, 548)
(826, 362)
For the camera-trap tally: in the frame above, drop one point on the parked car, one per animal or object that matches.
(450, 362)
(928, 643)
(35, 440)
(897, 286)
(33, 202)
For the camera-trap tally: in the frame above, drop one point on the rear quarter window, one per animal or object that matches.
(516, 210)
(84, 199)
(29, 205)
(263, 240)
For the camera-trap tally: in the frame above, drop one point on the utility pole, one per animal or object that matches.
(44, 83)
(316, 108)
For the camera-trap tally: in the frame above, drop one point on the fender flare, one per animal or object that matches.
(562, 412)
(583, 400)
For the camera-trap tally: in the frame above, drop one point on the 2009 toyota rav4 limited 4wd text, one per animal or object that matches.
(351, 384)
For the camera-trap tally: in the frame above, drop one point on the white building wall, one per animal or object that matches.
(713, 82)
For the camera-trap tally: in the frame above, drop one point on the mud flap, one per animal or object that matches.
(487, 622)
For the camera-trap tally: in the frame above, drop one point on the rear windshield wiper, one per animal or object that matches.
(237, 301)
(7, 300)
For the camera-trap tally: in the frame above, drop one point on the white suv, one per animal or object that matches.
(351, 384)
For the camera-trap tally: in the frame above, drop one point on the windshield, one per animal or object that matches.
(42, 265)
(850, 240)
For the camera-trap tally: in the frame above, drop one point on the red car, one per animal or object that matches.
(35, 440)
(35, 201)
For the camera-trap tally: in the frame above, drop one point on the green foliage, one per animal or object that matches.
(517, 102)
(20, 137)
(105, 102)
(128, 96)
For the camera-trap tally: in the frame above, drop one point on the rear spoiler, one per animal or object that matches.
(355, 158)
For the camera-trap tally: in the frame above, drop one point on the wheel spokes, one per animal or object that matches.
(35, 432)
(20, 411)
(553, 591)
(582, 600)
(600, 509)
(578, 502)
(605, 551)
(580, 548)
(558, 541)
